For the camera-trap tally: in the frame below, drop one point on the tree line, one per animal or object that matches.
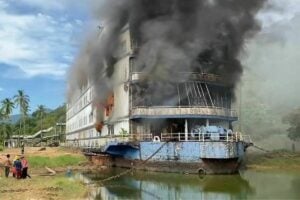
(27, 123)
(293, 120)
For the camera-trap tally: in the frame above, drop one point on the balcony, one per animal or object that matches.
(183, 112)
(183, 76)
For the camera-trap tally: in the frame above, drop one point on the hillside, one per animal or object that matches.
(34, 123)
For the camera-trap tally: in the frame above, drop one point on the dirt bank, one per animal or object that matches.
(43, 186)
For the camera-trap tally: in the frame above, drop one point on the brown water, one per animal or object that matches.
(149, 185)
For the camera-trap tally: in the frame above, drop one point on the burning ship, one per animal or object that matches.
(155, 90)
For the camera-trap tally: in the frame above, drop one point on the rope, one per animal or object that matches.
(131, 169)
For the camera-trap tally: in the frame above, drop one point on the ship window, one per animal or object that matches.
(91, 117)
(85, 120)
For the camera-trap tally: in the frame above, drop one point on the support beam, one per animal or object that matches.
(186, 130)
(207, 122)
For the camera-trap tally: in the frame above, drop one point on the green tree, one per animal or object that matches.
(293, 119)
(1, 114)
(5, 131)
(7, 106)
(41, 113)
(22, 101)
(25, 116)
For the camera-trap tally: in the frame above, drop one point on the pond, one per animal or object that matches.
(151, 185)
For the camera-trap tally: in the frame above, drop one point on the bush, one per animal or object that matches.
(1, 148)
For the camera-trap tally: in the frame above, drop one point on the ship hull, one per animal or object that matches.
(218, 166)
(179, 157)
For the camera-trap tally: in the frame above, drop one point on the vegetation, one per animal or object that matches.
(35, 122)
(123, 132)
(41, 118)
(5, 131)
(58, 161)
(279, 159)
(22, 101)
(40, 113)
(293, 120)
(6, 109)
(41, 187)
(258, 117)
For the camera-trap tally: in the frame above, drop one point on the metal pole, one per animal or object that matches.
(179, 100)
(186, 129)
(207, 122)
(240, 108)
(227, 136)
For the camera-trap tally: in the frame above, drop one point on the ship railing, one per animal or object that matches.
(132, 137)
(140, 137)
(164, 137)
(206, 77)
(182, 110)
(205, 137)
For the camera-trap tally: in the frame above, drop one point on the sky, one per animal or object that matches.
(40, 38)
(38, 42)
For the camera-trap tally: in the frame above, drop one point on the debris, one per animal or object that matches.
(51, 171)
(42, 149)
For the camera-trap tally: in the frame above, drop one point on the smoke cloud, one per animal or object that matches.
(271, 75)
(173, 36)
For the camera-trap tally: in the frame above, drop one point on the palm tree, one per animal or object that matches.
(40, 113)
(25, 113)
(7, 106)
(22, 101)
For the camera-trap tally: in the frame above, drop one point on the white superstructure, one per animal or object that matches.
(81, 111)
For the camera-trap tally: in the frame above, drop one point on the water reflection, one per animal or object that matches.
(149, 185)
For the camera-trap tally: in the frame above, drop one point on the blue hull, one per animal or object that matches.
(213, 157)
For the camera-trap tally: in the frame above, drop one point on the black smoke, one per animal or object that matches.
(173, 36)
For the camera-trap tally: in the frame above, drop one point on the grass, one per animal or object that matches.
(44, 187)
(280, 159)
(57, 161)
(1, 148)
(55, 187)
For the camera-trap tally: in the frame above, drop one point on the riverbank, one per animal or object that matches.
(274, 160)
(42, 185)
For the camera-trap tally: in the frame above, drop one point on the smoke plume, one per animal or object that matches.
(173, 36)
(271, 75)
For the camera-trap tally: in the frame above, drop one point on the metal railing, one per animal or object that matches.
(205, 137)
(205, 77)
(165, 137)
(102, 141)
(182, 110)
